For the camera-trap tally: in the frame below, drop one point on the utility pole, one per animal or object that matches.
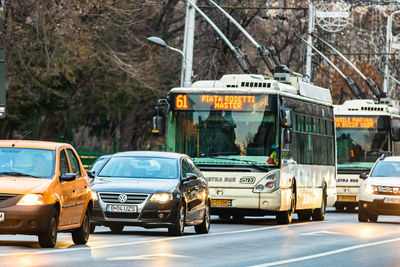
(188, 44)
(309, 38)
(388, 49)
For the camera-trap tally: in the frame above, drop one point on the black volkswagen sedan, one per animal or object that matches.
(152, 190)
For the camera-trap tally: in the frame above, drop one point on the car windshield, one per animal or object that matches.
(140, 167)
(386, 169)
(26, 162)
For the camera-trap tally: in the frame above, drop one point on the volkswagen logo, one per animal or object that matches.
(122, 198)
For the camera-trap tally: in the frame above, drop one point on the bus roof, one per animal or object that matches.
(258, 84)
(359, 107)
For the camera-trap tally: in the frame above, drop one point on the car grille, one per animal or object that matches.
(132, 198)
(388, 190)
(121, 215)
(4, 197)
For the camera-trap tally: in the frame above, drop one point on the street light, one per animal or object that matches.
(162, 43)
(388, 49)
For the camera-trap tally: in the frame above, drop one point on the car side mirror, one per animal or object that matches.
(286, 117)
(190, 177)
(91, 174)
(363, 176)
(67, 177)
(287, 136)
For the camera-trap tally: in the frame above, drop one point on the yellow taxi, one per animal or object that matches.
(44, 189)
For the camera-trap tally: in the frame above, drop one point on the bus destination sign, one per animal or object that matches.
(220, 102)
(356, 122)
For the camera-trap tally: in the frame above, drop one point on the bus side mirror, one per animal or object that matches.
(395, 133)
(158, 125)
(363, 176)
(286, 117)
(287, 136)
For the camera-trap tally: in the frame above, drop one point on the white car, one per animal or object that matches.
(380, 191)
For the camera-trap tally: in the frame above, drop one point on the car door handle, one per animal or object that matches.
(73, 190)
(85, 186)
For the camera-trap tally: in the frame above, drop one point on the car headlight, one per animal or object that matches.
(31, 199)
(269, 183)
(94, 195)
(370, 189)
(161, 197)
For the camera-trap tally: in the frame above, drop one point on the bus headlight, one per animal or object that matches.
(270, 183)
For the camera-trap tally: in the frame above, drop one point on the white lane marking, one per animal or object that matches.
(328, 253)
(323, 233)
(152, 240)
(147, 257)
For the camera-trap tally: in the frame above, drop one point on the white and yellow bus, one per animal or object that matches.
(266, 147)
(364, 131)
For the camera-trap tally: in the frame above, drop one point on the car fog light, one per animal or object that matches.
(365, 205)
(266, 203)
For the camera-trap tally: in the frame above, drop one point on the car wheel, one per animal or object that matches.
(304, 215)
(285, 217)
(204, 227)
(117, 228)
(373, 218)
(92, 228)
(48, 238)
(80, 235)
(362, 214)
(319, 214)
(179, 226)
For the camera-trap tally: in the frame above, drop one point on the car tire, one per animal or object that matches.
(48, 238)
(117, 228)
(319, 214)
(179, 225)
(204, 227)
(92, 228)
(285, 217)
(80, 236)
(362, 214)
(373, 218)
(304, 215)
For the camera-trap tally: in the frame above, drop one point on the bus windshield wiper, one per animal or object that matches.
(19, 174)
(252, 163)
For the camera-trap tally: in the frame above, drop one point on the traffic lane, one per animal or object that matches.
(256, 241)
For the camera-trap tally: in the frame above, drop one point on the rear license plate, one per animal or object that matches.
(2, 216)
(221, 202)
(121, 208)
(349, 198)
(393, 200)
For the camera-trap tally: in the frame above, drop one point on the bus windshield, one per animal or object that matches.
(359, 148)
(250, 135)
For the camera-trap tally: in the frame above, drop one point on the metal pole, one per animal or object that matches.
(309, 38)
(388, 50)
(189, 44)
(184, 49)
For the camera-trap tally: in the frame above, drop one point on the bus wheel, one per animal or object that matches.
(285, 217)
(319, 214)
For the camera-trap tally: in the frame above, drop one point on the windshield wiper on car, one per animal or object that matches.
(19, 174)
(252, 163)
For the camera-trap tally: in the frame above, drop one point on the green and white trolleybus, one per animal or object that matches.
(266, 147)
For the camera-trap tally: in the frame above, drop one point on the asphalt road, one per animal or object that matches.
(340, 240)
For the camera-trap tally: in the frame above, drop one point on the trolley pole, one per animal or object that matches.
(309, 38)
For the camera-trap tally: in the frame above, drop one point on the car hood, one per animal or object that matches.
(133, 185)
(384, 181)
(22, 185)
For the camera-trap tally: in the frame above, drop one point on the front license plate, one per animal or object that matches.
(2, 216)
(121, 208)
(392, 200)
(221, 202)
(349, 198)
